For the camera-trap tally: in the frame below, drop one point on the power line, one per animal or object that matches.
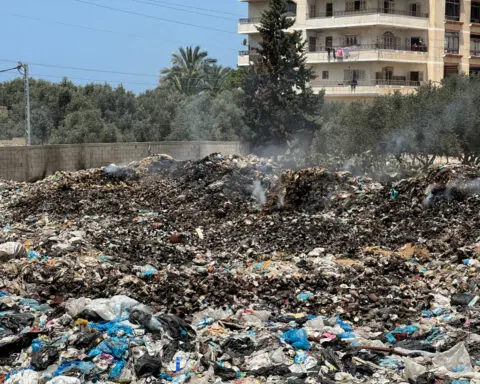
(85, 69)
(154, 17)
(92, 80)
(10, 69)
(180, 9)
(199, 8)
(107, 30)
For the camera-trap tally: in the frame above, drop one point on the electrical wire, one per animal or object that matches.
(84, 69)
(148, 2)
(109, 31)
(198, 8)
(9, 69)
(154, 17)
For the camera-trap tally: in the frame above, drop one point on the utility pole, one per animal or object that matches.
(27, 103)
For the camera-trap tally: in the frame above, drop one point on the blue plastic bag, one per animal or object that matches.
(116, 371)
(304, 296)
(67, 366)
(115, 347)
(111, 327)
(409, 329)
(345, 326)
(37, 344)
(297, 338)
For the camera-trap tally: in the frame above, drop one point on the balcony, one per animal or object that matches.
(248, 25)
(245, 56)
(369, 52)
(368, 17)
(452, 51)
(364, 88)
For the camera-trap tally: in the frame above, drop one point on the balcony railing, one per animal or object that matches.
(317, 14)
(373, 46)
(452, 17)
(475, 52)
(251, 20)
(451, 51)
(292, 12)
(365, 83)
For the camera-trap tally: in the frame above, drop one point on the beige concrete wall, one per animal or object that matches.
(36, 162)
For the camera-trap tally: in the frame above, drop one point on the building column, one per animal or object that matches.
(436, 40)
(465, 15)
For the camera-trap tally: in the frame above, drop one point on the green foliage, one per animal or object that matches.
(189, 70)
(208, 117)
(436, 121)
(280, 106)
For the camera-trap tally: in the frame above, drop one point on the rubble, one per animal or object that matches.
(235, 270)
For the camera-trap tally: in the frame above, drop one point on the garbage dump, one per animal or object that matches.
(234, 270)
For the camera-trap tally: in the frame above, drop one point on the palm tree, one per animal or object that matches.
(188, 69)
(215, 78)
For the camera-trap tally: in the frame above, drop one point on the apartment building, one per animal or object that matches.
(379, 45)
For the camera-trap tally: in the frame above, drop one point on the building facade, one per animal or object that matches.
(379, 46)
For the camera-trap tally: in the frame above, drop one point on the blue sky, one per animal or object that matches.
(52, 35)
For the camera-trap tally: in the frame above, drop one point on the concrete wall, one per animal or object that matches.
(36, 162)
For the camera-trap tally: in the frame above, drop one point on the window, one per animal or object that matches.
(324, 75)
(329, 9)
(350, 74)
(415, 9)
(351, 40)
(389, 41)
(312, 44)
(475, 18)
(355, 5)
(388, 6)
(475, 46)
(329, 41)
(451, 42)
(313, 11)
(452, 10)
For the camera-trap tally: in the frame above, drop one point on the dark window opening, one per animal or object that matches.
(312, 44)
(329, 41)
(324, 75)
(475, 17)
(329, 9)
(452, 10)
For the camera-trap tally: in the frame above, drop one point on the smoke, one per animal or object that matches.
(259, 193)
(120, 172)
(457, 190)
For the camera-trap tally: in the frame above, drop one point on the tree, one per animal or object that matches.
(215, 78)
(209, 117)
(280, 105)
(188, 70)
(42, 125)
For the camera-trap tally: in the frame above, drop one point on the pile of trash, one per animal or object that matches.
(231, 269)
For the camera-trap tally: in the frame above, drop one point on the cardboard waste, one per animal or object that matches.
(234, 270)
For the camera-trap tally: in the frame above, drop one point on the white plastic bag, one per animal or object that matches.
(455, 359)
(65, 380)
(12, 250)
(24, 377)
(412, 369)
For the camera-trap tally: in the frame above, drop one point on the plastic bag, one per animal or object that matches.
(116, 371)
(316, 324)
(76, 306)
(115, 347)
(297, 338)
(412, 369)
(65, 380)
(409, 329)
(455, 359)
(12, 250)
(111, 309)
(24, 377)
(82, 366)
(345, 326)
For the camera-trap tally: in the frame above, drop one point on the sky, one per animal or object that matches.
(118, 41)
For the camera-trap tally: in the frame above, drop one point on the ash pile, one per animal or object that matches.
(233, 270)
